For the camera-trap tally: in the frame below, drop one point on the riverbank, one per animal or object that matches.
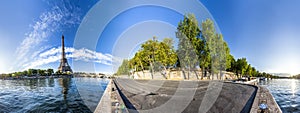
(111, 101)
(286, 92)
(265, 99)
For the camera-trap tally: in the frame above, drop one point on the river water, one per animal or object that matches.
(286, 93)
(51, 95)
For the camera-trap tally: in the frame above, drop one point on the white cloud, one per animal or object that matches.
(61, 14)
(54, 55)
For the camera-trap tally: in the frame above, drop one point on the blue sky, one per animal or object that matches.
(98, 36)
(263, 31)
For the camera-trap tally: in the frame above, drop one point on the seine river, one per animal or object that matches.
(286, 93)
(51, 94)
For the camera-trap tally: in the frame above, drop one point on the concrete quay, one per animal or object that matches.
(111, 100)
(159, 96)
(167, 96)
(263, 96)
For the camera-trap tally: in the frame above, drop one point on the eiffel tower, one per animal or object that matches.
(64, 66)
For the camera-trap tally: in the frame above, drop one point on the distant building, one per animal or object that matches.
(64, 67)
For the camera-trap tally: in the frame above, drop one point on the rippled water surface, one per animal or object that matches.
(286, 93)
(51, 94)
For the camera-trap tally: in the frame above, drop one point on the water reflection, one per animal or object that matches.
(293, 87)
(65, 83)
(286, 93)
(47, 95)
(50, 82)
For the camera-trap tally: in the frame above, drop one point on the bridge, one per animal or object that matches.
(93, 75)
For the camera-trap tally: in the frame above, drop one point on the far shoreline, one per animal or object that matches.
(36, 77)
(50, 76)
(79, 76)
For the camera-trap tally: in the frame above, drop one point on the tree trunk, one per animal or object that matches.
(221, 74)
(205, 73)
(189, 73)
(165, 72)
(142, 69)
(183, 72)
(219, 77)
(212, 75)
(202, 73)
(195, 71)
(151, 65)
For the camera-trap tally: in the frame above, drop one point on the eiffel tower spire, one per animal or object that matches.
(64, 66)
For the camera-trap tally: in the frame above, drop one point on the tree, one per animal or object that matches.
(205, 60)
(254, 72)
(149, 52)
(217, 47)
(25, 73)
(241, 66)
(169, 42)
(222, 53)
(41, 72)
(30, 72)
(232, 64)
(124, 68)
(229, 57)
(189, 46)
(264, 74)
(50, 71)
(166, 56)
(249, 70)
(153, 55)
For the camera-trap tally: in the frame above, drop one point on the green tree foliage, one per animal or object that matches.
(139, 62)
(149, 53)
(209, 36)
(153, 55)
(232, 62)
(190, 45)
(166, 53)
(41, 72)
(219, 52)
(254, 72)
(124, 68)
(229, 57)
(249, 70)
(50, 71)
(241, 66)
(212, 52)
(30, 72)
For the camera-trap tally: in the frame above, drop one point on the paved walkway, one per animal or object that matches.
(263, 96)
(104, 105)
(159, 96)
(163, 96)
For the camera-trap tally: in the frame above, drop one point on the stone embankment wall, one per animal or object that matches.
(179, 75)
(111, 100)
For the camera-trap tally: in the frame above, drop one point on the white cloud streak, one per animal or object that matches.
(54, 55)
